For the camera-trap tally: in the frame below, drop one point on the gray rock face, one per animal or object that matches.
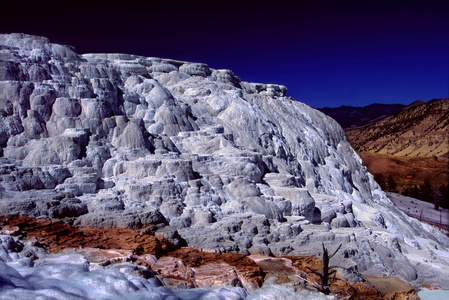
(125, 141)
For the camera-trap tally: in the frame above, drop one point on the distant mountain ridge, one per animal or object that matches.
(352, 116)
(417, 130)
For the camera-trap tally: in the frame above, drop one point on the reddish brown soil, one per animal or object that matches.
(277, 267)
(246, 267)
(374, 288)
(56, 236)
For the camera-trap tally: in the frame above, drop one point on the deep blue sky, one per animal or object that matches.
(327, 53)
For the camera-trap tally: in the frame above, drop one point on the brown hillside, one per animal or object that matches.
(406, 171)
(408, 152)
(417, 131)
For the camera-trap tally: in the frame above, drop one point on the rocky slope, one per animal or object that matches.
(420, 130)
(408, 152)
(151, 256)
(201, 157)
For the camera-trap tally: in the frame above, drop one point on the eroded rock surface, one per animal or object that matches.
(124, 141)
(32, 246)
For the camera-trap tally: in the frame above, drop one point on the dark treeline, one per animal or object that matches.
(438, 195)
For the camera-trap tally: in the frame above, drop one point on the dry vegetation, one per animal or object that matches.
(417, 131)
(408, 152)
(407, 171)
(425, 178)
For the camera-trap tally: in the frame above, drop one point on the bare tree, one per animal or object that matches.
(328, 276)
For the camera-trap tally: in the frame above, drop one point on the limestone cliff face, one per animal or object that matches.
(117, 140)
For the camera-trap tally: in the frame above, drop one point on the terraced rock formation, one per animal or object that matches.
(201, 157)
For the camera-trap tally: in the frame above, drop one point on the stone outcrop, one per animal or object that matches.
(36, 243)
(124, 141)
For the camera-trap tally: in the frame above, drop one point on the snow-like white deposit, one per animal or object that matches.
(433, 294)
(70, 276)
(420, 210)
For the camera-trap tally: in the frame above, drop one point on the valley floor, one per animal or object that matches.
(407, 171)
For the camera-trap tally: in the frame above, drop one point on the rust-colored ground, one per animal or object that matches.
(56, 236)
(371, 289)
(246, 267)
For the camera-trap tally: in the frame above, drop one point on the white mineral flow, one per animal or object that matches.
(69, 275)
(118, 140)
(433, 294)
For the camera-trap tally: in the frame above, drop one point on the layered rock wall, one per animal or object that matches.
(117, 140)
